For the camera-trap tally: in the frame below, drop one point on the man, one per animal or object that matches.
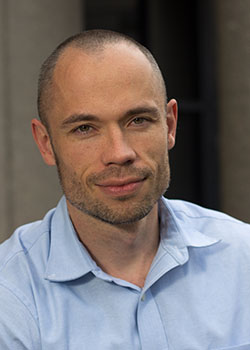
(115, 265)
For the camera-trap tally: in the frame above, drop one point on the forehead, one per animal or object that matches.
(107, 74)
(116, 60)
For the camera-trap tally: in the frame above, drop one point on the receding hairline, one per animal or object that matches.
(92, 42)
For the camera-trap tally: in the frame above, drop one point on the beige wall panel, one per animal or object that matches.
(3, 131)
(34, 29)
(233, 23)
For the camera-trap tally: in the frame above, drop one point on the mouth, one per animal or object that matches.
(120, 187)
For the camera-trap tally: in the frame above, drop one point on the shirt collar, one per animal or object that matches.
(174, 234)
(177, 236)
(68, 258)
(175, 239)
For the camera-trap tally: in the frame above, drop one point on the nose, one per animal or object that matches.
(117, 150)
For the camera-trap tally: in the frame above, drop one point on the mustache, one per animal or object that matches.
(119, 173)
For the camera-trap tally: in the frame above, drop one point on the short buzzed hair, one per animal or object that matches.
(89, 41)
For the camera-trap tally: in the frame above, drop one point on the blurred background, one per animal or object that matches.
(203, 49)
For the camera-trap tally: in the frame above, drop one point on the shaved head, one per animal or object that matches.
(92, 42)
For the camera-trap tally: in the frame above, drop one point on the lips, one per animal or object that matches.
(121, 187)
(119, 182)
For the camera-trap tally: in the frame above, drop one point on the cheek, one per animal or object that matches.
(158, 149)
(79, 159)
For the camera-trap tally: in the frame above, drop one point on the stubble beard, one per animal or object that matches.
(126, 209)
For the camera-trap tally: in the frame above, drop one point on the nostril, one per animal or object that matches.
(115, 159)
(128, 162)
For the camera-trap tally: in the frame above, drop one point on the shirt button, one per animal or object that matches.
(143, 297)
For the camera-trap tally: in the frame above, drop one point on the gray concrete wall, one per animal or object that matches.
(29, 30)
(233, 54)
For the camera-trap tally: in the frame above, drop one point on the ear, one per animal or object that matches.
(42, 139)
(172, 114)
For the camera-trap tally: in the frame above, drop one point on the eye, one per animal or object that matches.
(139, 120)
(83, 129)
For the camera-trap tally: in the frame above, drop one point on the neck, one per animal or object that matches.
(123, 251)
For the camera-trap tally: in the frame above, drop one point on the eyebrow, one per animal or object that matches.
(76, 118)
(142, 110)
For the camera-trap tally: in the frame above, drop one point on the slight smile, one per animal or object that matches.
(120, 187)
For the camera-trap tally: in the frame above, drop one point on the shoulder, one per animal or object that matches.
(186, 210)
(210, 222)
(24, 240)
(18, 321)
(23, 253)
(22, 263)
(230, 253)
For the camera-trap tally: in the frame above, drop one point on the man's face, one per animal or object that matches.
(109, 132)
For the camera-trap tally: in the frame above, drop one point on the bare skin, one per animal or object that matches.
(124, 251)
(114, 164)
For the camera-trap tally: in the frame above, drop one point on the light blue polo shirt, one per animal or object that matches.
(196, 296)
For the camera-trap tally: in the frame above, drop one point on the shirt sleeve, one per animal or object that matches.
(18, 327)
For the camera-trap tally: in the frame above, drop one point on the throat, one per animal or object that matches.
(127, 259)
(134, 273)
(122, 251)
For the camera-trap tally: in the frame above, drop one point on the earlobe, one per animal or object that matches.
(42, 139)
(172, 115)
